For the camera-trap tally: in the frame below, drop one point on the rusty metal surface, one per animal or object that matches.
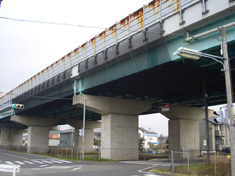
(152, 13)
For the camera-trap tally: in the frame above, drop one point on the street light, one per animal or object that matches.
(195, 55)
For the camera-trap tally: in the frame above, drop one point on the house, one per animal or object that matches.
(149, 137)
(67, 138)
(54, 138)
(218, 135)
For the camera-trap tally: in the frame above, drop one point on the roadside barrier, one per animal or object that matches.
(10, 168)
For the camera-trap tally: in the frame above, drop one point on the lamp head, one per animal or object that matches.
(188, 53)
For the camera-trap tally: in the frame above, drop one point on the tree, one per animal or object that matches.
(141, 144)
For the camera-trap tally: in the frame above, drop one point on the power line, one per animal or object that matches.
(46, 22)
(75, 25)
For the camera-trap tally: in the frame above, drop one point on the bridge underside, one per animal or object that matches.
(173, 82)
(159, 79)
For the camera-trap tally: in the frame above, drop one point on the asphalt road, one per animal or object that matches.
(45, 166)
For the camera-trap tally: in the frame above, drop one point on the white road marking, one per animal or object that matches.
(9, 162)
(19, 162)
(64, 161)
(76, 168)
(28, 162)
(147, 173)
(57, 161)
(35, 161)
(46, 161)
(44, 165)
(59, 167)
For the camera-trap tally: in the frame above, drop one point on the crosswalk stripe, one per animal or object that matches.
(64, 161)
(45, 161)
(57, 161)
(39, 162)
(9, 162)
(19, 162)
(29, 162)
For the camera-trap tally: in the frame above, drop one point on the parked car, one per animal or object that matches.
(226, 150)
(151, 151)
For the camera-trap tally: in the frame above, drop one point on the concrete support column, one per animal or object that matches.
(11, 136)
(184, 128)
(89, 133)
(119, 124)
(38, 131)
(89, 140)
(184, 135)
(38, 139)
(76, 136)
(5, 136)
(17, 139)
(119, 137)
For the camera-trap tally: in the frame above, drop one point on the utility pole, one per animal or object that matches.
(229, 97)
(83, 131)
(207, 124)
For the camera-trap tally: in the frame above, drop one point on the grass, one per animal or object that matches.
(74, 158)
(221, 164)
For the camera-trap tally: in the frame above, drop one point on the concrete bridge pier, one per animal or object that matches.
(11, 136)
(89, 133)
(38, 131)
(119, 124)
(184, 129)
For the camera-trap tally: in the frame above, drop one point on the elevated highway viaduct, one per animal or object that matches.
(125, 71)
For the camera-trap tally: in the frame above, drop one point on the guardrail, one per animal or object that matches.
(10, 168)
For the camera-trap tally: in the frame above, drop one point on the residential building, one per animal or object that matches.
(149, 137)
(67, 138)
(218, 135)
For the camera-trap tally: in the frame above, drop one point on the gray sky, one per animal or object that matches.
(27, 48)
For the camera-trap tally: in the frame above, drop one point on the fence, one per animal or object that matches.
(94, 153)
(187, 158)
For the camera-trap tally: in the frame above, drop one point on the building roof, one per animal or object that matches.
(66, 131)
(54, 136)
(146, 131)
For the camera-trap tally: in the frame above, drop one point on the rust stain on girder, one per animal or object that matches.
(102, 35)
(75, 51)
(69, 55)
(125, 22)
(93, 41)
(153, 4)
(83, 47)
(138, 15)
(113, 30)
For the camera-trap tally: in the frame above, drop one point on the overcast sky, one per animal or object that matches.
(27, 48)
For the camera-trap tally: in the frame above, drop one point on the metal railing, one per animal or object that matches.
(140, 20)
(10, 168)
(94, 153)
(187, 158)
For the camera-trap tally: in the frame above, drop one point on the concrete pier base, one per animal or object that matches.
(38, 139)
(119, 124)
(119, 137)
(88, 141)
(89, 134)
(184, 129)
(38, 131)
(11, 136)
